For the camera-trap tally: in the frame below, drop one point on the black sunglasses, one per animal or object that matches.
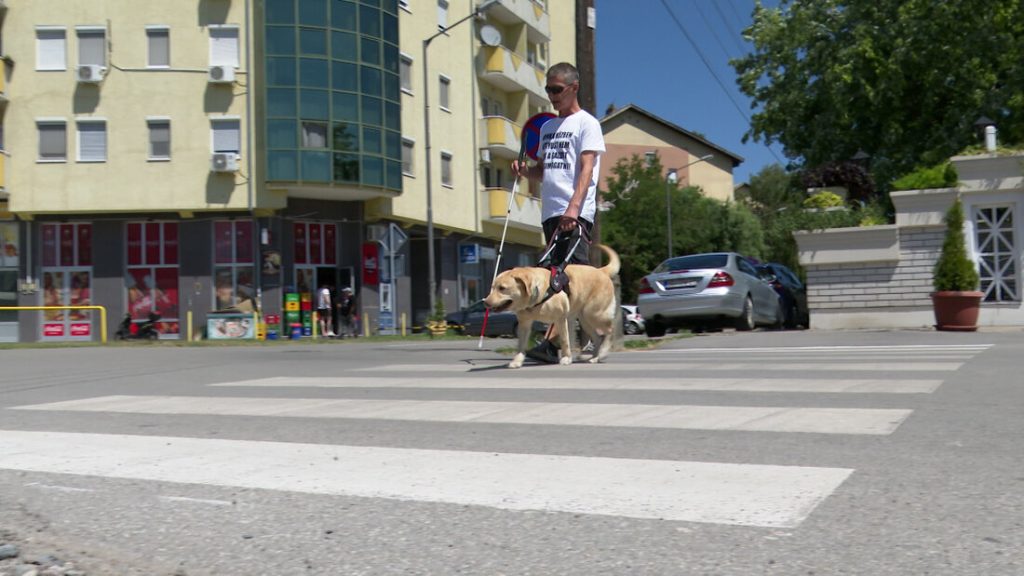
(554, 89)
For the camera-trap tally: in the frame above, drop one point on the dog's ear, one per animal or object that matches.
(523, 288)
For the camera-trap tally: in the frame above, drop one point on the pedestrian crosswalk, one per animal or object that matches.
(748, 386)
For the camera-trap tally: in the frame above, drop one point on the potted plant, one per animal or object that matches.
(436, 323)
(956, 299)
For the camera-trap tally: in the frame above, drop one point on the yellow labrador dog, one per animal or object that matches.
(590, 297)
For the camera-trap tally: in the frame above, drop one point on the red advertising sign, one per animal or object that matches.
(371, 263)
(85, 244)
(49, 244)
(171, 243)
(152, 243)
(134, 244)
(81, 329)
(300, 243)
(314, 243)
(243, 241)
(53, 330)
(330, 254)
(67, 245)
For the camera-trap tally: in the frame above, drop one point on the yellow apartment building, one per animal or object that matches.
(202, 155)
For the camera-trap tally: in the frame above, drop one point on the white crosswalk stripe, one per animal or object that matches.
(746, 418)
(736, 493)
(490, 380)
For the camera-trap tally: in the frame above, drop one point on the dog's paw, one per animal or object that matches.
(565, 360)
(595, 360)
(517, 361)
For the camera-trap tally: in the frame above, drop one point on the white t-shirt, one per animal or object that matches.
(323, 299)
(562, 140)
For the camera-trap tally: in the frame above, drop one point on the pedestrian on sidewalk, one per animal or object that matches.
(323, 310)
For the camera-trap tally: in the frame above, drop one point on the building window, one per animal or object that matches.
(227, 136)
(224, 46)
(997, 249)
(408, 149)
(92, 140)
(442, 14)
(233, 270)
(92, 46)
(315, 243)
(444, 92)
(151, 275)
(51, 49)
(53, 140)
(405, 72)
(158, 39)
(159, 139)
(446, 169)
(314, 134)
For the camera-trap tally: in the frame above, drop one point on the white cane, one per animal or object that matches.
(501, 245)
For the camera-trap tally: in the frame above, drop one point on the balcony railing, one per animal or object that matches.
(511, 72)
(531, 12)
(525, 213)
(500, 135)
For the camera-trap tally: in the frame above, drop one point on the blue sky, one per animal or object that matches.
(643, 58)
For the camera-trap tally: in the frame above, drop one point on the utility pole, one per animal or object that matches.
(586, 23)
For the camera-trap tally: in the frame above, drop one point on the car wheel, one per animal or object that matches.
(631, 328)
(746, 320)
(654, 329)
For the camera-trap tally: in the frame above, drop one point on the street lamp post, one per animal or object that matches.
(670, 180)
(480, 9)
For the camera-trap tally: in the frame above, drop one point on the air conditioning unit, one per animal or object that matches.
(222, 74)
(91, 73)
(485, 156)
(224, 162)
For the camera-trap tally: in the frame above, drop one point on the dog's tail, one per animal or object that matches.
(612, 267)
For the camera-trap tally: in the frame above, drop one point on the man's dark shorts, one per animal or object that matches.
(582, 253)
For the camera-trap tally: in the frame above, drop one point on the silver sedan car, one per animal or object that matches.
(707, 290)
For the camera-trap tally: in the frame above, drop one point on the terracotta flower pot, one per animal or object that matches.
(957, 311)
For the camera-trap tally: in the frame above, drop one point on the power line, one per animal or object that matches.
(711, 70)
(696, 4)
(728, 27)
(732, 6)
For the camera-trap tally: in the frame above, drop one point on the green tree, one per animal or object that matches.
(636, 225)
(954, 270)
(903, 80)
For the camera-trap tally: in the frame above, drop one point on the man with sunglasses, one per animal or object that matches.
(570, 159)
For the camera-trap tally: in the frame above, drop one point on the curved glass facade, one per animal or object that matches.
(332, 92)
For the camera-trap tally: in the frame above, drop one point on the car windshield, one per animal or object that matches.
(695, 262)
(477, 307)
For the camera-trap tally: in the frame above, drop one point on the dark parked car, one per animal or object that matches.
(471, 319)
(792, 293)
(707, 290)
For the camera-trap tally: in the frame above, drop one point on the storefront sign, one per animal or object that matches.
(371, 263)
(469, 253)
(81, 329)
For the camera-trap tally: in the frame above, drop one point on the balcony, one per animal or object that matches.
(500, 135)
(530, 12)
(510, 72)
(525, 214)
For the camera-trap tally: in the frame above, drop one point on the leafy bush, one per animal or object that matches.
(954, 271)
(823, 200)
(939, 176)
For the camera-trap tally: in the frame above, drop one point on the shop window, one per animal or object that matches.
(233, 268)
(151, 275)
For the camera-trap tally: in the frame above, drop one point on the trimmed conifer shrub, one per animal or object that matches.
(955, 272)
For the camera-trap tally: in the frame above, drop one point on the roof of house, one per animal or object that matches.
(736, 158)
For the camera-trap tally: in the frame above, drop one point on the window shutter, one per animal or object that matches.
(51, 50)
(92, 47)
(159, 47)
(92, 141)
(159, 139)
(52, 142)
(227, 136)
(224, 47)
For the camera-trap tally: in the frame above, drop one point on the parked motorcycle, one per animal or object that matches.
(141, 331)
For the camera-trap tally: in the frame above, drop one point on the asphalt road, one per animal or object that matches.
(783, 453)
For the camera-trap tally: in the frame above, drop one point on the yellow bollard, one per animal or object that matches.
(403, 323)
(366, 325)
(188, 328)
